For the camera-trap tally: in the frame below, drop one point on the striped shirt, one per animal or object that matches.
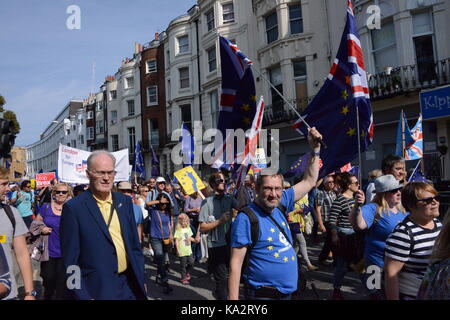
(325, 200)
(340, 211)
(413, 245)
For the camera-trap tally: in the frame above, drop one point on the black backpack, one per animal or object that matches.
(254, 230)
(10, 215)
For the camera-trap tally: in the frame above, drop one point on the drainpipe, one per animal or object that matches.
(198, 71)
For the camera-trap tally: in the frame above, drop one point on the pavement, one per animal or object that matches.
(202, 284)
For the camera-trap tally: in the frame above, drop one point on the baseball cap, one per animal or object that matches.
(160, 179)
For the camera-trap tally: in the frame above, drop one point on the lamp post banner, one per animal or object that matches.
(72, 165)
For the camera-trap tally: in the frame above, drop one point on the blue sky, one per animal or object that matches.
(43, 64)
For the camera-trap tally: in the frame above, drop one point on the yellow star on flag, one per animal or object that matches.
(363, 134)
(345, 110)
(272, 230)
(245, 107)
(283, 224)
(246, 120)
(344, 94)
(285, 259)
(276, 255)
(269, 239)
(351, 132)
(270, 248)
(253, 98)
(293, 258)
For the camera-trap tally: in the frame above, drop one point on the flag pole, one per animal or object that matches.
(359, 147)
(286, 101)
(403, 135)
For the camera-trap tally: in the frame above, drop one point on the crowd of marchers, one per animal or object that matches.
(91, 240)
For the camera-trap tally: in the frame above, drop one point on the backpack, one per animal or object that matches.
(10, 215)
(254, 230)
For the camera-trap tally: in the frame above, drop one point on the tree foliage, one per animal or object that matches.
(9, 115)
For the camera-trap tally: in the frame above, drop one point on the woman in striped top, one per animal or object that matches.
(409, 246)
(341, 230)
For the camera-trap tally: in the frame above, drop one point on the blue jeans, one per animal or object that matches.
(158, 249)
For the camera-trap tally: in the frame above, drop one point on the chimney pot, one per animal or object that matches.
(156, 35)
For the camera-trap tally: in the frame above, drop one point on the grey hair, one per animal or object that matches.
(96, 153)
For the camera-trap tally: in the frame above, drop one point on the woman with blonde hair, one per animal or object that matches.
(379, 218)
(47, 225)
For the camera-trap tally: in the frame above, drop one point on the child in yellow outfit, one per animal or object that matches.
(183, 239)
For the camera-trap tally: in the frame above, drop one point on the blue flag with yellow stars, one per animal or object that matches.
(333, 110)
(298, 166)
(237, 101)
(138, 165)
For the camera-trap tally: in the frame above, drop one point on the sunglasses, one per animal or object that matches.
(61, 192)
(430, 199)
(220, 180)
(395, 190)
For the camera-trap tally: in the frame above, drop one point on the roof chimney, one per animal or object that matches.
(156, 35)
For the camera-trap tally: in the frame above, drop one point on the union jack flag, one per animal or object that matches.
(237, 101)
(247, 157)
(80, 167)
(414, 150)
(333, 110)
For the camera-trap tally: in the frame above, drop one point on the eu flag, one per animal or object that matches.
(299, 166)
(333, 110)
(155, 163)
(237, 101)
(417, 175)
(138, 165)
(187, 145)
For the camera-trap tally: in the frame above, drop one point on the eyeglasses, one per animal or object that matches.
(429, 200)
(103, 173)
(144, 190)
(395, 190)
(27, 186)
(61, 192)
(268, 189)
(220, 180)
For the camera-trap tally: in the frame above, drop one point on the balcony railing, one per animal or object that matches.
(280, 112)
(409, 78)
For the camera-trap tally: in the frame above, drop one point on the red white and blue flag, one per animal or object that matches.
(333, 110)
(414, 150)
(237, 101)
(247, 157)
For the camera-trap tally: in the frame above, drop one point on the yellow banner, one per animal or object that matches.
(189, 180)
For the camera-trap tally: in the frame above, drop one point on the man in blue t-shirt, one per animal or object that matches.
(271, 272)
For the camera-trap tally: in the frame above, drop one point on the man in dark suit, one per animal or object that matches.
(99, 238)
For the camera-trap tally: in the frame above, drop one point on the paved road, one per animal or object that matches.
(201, 285)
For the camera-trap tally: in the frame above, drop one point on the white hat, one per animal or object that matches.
(386, 183)
(124, 185)
(160, 179)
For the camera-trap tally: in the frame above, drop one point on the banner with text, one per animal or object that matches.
(72, 165)
(43, 179)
